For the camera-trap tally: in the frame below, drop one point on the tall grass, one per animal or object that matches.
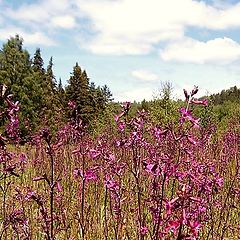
(135, 181)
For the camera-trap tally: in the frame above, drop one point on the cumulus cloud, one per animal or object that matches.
(137, 94)
(29, 38)
(63, 21)
(144, 75)
(37, 38)
(124, 28)
(117, 46)
(37, 21)
(28, 13)
(219, 51)
(50, 13)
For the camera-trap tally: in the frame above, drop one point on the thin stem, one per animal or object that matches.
(160, 207)
(51, 188)
(105, 216)
(83, 196)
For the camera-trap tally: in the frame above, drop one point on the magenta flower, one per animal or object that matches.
(126, 106)
(173, 226)
(191, 140)
(72, 104)
(94, 153)
(170, 205)
(200, 102)
(187, 115)
(117, 117)
(152, 168)
(144, 230)
(121, 125)
(110, 183)
(90, 175)
(77, 173)
(30, 195)
(59, 187)
(22, 157)
(195, 226)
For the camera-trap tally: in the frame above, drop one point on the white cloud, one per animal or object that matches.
(137, 94)
(38, 38)
(136, 27)
(223, 18)
(47, 13)
(120, 44)
(117, 46)
(31, 13)
(29, 38)
(63, 22)
(122, 27)
(144, 75)
(36, 22)
(218, 51)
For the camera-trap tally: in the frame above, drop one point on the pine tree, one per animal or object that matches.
(107, 94)
(50, 78)
(15, 63)
(61, 92)
(51, 104)
(38, 75)
(37, 63)
(78, 91)
(17, 74)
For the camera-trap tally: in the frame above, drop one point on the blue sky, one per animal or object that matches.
(133, 46)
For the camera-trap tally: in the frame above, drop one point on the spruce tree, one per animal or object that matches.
(16, 72)
(50, 78)
(15, 63)
(78, 91)
(51, 101)
(37, 63)
(61, 93)
(38, 75)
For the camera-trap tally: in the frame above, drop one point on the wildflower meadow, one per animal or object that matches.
(134, 180)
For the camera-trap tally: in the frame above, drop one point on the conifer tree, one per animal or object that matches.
(61, 92)
(15, 64)
(107, 94)
(51, 101)
(17, 74)
(50, 78)
(38, 75)
(78, 91)
(37, 63)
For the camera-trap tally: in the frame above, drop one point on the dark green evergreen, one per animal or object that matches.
(78, 90)
(37, 62)
(17, 73)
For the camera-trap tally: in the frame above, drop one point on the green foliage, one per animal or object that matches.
(17, 73)
(78, 91)
(43, 100)
(226, 106)
(90, 100)
(163, 109)
(232, 94)
(105, 120)
(15, 64)
(226, 112)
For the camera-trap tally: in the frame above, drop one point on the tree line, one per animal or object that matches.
(44, 100)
